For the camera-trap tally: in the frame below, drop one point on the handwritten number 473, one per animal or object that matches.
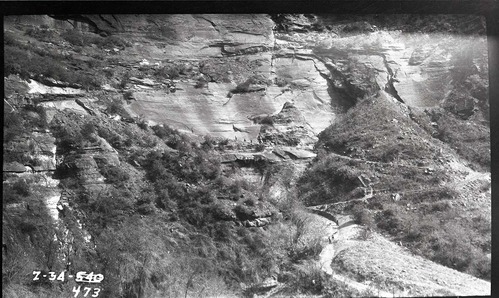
(86, 291)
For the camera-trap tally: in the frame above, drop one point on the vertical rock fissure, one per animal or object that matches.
(329, 82)
(389, 87)
(272, 57)
(345, 98)
(107, 21)
(78, 18)
(212, 23)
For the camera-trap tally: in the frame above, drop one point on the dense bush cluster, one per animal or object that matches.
(68, 139)
(470, 140)
(115, 175)
(17, 123)
(29, 64)
(43, 34)
(172, 137)
(328, 180)
(16, 192)
(31, 61)
(162, 33)
(440, 236)
(12, 125)
(245, 86)
(171, 71)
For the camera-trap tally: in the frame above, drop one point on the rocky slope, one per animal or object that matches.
(259, 91)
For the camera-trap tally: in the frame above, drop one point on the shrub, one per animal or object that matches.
(259, 147)
(87, 129)
(440, 206)
(236, 188)
(334, 288)
(308, 278)
(124, 80)
(27, 226)
(243, 212)
(480, 267)
(22, 188)
(9, 39)
(164, 131)
(208, 143)
(471, 140)
(115, 107)
(305, 252)
(128, 95)
(143, 124)
(40, 121)
(74, 37)
(172, 137)
(200, 84)
(171, 72)
(389, 221)
(114, 205)
(114, 41)
(250, 202)
(114, 138)
(41, 34)
(68, 139)
(115, 175)
(328, 180)
(245, 86)
(146, 209)
(280, 82)
(12, 125)
(362, 216)
(267, 120)
(79, 38)
(10, 195)
(161, 33)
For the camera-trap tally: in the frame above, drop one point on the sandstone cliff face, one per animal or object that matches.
(226, 55)
(320, 70)
(235, 67)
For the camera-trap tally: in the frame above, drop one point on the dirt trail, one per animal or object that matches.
(339, 238)
(391, 164)
(388, 270)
